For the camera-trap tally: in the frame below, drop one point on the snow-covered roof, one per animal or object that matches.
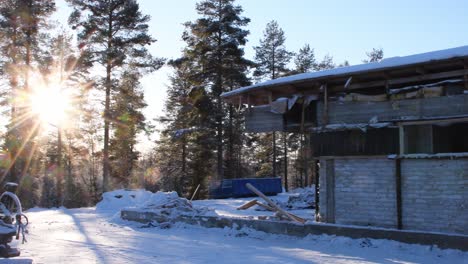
(368, 67)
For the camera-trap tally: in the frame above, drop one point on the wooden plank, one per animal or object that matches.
(195, 192)
(325, 104)
(401, 135)
(348, 82)
(247, 205)
(269, 208)
(274, 206)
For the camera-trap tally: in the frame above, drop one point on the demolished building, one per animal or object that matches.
(390, 138)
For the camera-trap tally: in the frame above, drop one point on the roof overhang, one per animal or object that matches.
(392, 73)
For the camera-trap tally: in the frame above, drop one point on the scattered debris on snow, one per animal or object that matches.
(302, 198)
(297, 199)
(168, 206)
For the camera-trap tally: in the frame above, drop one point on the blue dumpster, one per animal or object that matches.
(236, 187)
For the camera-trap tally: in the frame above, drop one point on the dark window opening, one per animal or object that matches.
(383, 141)
(294, 116)
(450, 138)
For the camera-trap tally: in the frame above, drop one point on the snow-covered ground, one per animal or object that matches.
(98, 235)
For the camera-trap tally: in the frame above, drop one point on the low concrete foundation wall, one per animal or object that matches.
(293, 229)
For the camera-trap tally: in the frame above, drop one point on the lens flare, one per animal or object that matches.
(50, 104)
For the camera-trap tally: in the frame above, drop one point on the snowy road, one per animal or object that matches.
(90, 236)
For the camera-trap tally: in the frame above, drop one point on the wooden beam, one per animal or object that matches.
(465, 66)
(274, 206)
(247, 205)
(421, 70)
(401, 135)
(381, 83)
(446, 120)
(387, 89)
(325, 104)
(348, 82)
(291, 89)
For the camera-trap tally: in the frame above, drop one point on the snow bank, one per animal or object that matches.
(119, 199)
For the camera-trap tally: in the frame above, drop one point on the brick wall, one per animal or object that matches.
(434, 193)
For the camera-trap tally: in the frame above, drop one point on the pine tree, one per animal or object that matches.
(22, 32)
(129, 121)
(180, 120)
(271, 55)
(344, 64)
(214, 44)
(326, 63)
(305, 59)
(375, 55)
(272, 60)
(114, 34)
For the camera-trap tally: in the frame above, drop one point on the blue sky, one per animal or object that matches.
(343, 29)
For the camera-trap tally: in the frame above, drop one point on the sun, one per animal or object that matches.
(51, 104)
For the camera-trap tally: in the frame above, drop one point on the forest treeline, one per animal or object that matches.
(89, 147)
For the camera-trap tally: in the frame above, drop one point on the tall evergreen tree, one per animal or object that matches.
(180, 120)
(375, 55)
(65, 73)
(271, 55)
(305, 59)
(129, 121)
(114, 34)
(22, 27)
(326, 63)
(214, 45)
(272, 59)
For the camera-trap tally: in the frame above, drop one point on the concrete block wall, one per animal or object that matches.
(365, 192)
(435, 195)
(322, 192)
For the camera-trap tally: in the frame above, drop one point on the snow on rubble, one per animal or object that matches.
(166, 205)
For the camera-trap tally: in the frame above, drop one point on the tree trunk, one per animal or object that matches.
(108, 84)
(105, 159)
(219, 123)
(274, 154)
(285, 142)
(60, 192)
